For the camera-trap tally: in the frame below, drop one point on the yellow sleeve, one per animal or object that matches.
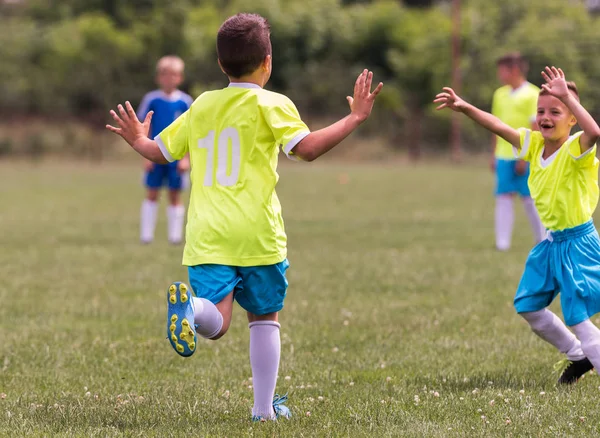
(525, 144)
(495, 103)
(173, 141)
(286, 125)
(584, 159)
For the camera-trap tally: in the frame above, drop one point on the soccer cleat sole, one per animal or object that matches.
(180, 319)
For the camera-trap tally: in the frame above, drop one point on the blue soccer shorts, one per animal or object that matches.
(258, 289)
(164, 174)
(567, 262)
(507, 180)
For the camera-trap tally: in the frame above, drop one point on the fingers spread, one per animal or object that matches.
(117, 119)
(123, 113)
(546, 77)
(377, 90)
(113, 129)
(130, 111)
(368, 82)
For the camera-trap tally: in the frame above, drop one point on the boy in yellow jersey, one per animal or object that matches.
(564, 184)
(235, 239)
(515, 104)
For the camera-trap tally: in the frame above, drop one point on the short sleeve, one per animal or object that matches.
(287, 126)
(582, 159)
(525, 144)
(495, 103)
(173, 140)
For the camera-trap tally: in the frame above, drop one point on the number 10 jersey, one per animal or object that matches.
(233, 138)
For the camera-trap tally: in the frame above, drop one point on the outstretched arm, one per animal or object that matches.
(136, 133)
(556, 85)
(449, 99)
(319, 142)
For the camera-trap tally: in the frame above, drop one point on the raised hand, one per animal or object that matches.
(361, 104)
(449, 99)
(556, 84)
(130, 128)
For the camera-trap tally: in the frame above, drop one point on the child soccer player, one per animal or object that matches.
(167, 103)
(515, 104)
(564, 184)
(235, 239)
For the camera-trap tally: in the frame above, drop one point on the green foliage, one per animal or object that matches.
(79, 57)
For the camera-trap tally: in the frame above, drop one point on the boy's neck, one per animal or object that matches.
(249, 79)
(517, 83)
(551, 146)
(168, 92)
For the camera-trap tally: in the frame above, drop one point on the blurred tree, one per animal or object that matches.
(80, 57)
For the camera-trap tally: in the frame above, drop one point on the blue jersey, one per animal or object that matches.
(166, 108)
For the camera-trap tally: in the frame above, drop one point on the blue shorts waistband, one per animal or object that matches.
(572, 233)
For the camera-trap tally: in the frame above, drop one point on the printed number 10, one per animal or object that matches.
(225, 137)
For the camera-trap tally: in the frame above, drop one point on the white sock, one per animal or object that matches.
(551, 329)
(175, 217)
(539, 231)
(505, 219)
(148, 220)
(590, 341)
(207, 317)
(265, 349)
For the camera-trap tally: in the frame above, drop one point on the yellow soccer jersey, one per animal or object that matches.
(517, 108)
(564, 186)
(233, 137)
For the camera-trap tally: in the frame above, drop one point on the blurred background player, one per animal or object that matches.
(515, 103)
(167, 103)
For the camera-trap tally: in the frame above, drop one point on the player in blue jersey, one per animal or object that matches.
(167, 103)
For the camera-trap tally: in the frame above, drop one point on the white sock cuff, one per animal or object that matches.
(259, 323)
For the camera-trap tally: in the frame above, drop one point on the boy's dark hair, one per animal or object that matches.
(243, 43)
(570, 85)
(514, 59)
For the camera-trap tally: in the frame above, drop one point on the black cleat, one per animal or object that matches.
(574, 370)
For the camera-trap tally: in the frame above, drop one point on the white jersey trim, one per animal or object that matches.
(243, 85)
(287, 149)
(525, 148)
(163, 149)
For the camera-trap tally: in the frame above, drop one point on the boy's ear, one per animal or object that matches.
(573, 121)
(266, 65)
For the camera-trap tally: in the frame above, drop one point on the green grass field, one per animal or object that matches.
(398, 321)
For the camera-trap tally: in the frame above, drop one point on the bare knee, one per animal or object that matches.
(223, 330)
(152, 195)
(174, 197)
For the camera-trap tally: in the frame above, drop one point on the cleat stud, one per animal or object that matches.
(174, 338)
(180, 348)
(174, 318)
(172, 327)
(173, 299)
(182, 336)
(185, 322)
(192, 346)
(183, 288)
(172, 289)
(183, 298)
(191, 333)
